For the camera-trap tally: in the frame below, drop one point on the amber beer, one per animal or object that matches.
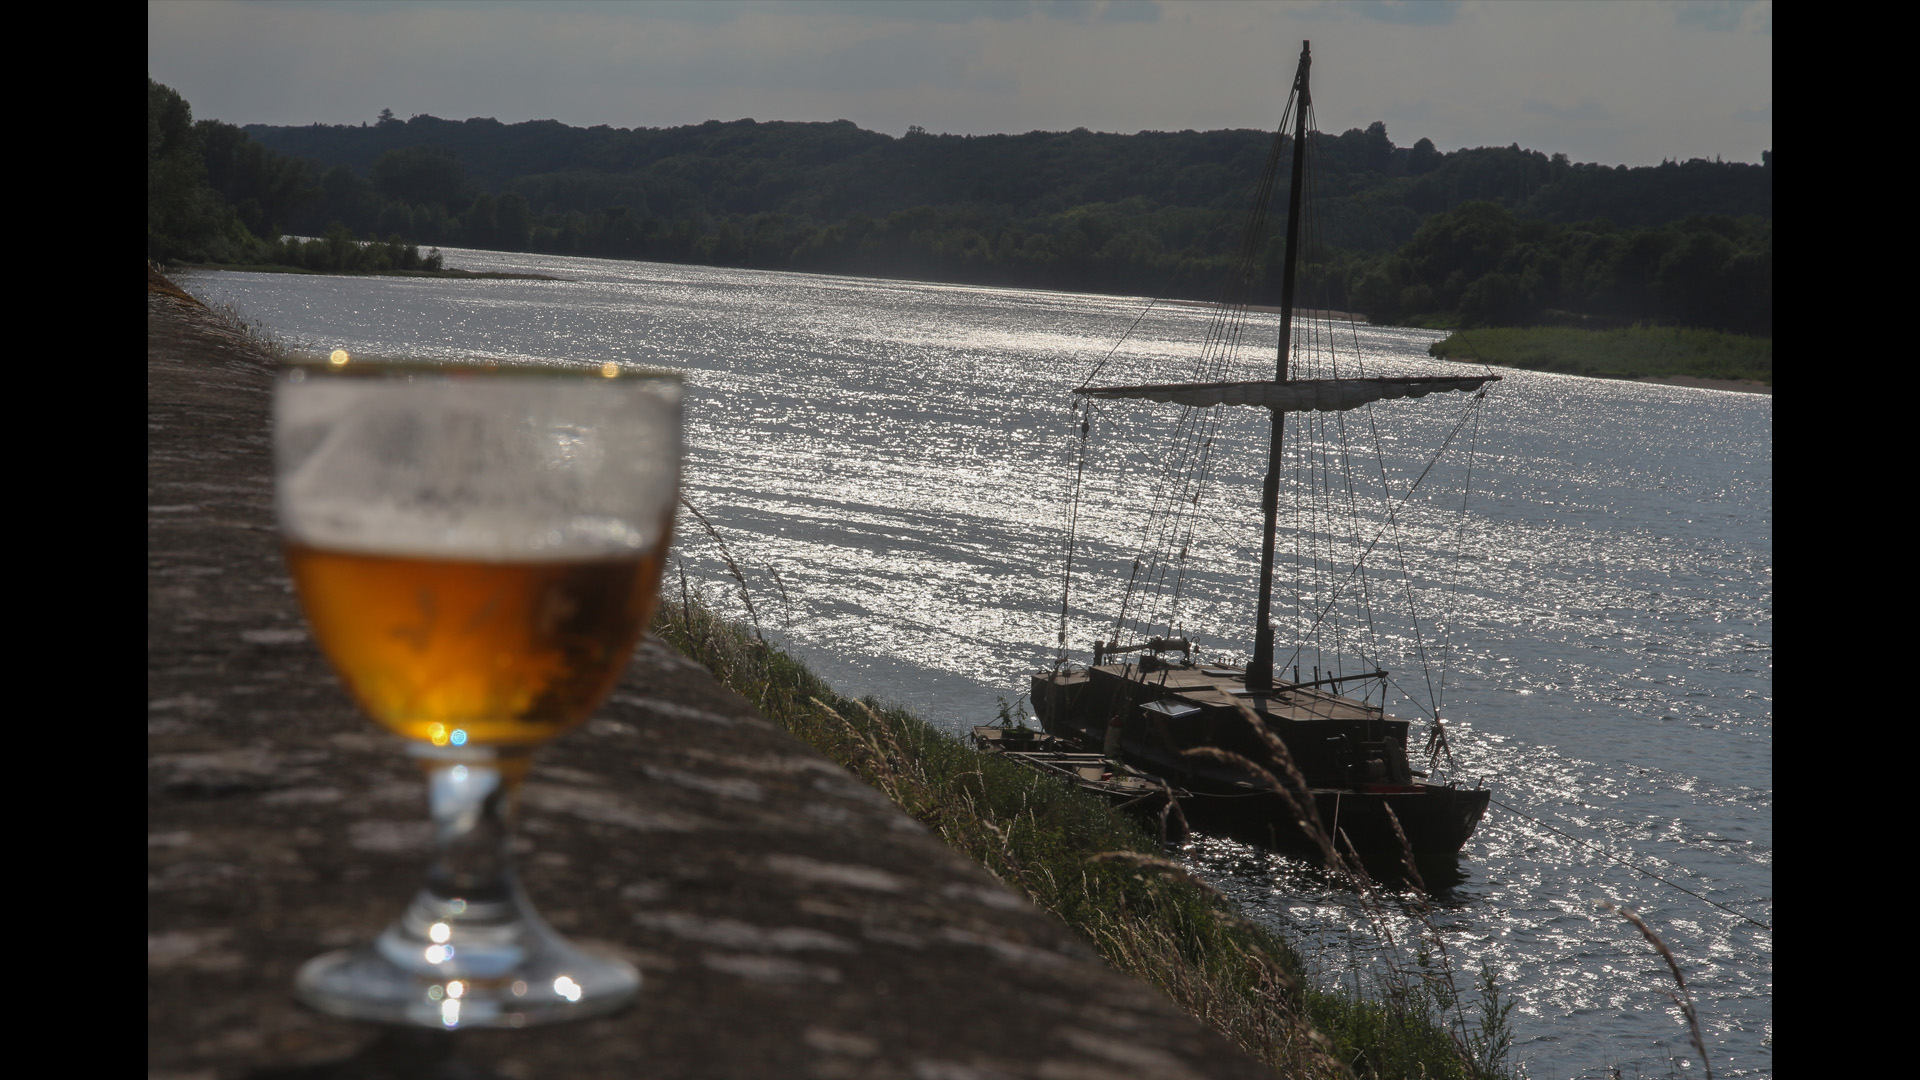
(479, 653)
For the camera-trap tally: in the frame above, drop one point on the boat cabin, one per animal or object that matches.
(1166, 707)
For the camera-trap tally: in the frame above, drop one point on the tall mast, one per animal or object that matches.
(1260, 670)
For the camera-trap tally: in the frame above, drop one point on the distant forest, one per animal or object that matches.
(1482, 236)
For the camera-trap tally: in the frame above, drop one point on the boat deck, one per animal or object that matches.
(1083, 768)
(1223, 687)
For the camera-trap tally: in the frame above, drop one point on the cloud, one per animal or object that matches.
(1117, 11)
(715, 12)
(1599, 81)
(1588, 109)
(1401, 12)
(892, 58)
(1716, 14)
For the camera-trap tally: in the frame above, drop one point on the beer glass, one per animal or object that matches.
(477, 549)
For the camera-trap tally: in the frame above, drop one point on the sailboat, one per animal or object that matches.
(1311, 760)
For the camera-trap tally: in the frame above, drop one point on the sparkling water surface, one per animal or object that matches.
(889, 462)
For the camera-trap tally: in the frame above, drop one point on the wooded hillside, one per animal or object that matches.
(1473, 235)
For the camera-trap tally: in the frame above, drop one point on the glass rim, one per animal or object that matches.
(381, 365)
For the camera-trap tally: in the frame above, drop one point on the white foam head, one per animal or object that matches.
(477, 466)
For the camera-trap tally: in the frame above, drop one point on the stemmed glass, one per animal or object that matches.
(478, 549)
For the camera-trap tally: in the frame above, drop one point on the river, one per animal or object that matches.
(890, 462)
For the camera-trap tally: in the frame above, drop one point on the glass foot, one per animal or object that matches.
(452, 964)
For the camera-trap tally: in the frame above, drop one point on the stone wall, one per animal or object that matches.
(788, 920)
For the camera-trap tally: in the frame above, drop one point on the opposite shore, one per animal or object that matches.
(1665, 355)
(1738, 386)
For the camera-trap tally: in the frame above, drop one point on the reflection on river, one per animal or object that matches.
(896, 451)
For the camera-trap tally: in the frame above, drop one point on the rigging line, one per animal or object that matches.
(1332, 551)
(1273, 154)
(1179, 529)
(1324, 538)
(1353, 512)
(1413, 613)
(1152, 302)
(1353, 495)
(1344, 452)
(1169, 467)
(1120, 619)
(1154, 529)
(1411, 700)
(1135, 325)
(1225, 333)
(1406, 575)
(1073, 526)
(1459, 543)
(1225, 328)
(1375, 542)
(1191, 431)
(1193, 516)
(1195, 437)
(1664, 881)
(1399, 548)
(1222, 339)
(1222, 343)
(1185, 511)
(1161, 528)
(1307, 539)
(1164, 493)
(1341, 448)
(1162, 567)
(1175, 503)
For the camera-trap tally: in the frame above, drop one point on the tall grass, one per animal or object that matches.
(1104, 875)
(1684, 998)
(248, 332)
(1626, 353)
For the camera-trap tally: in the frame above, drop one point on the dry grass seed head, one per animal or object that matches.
(1684, 999)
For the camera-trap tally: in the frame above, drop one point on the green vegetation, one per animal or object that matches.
(1102, 874)
(1476, 236)
(1627, 353)
(1480, 264)
(1487, 236)
(216, 197)
(339, 253)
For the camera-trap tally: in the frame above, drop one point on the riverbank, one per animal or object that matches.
(1328, 314)
(1738, 386)
(787, 919)
(1107, 878)
(1675, 356)
(280, 268)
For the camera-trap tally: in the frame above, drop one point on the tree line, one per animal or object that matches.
(1400, 233)
(1482, 265)
(216, 196)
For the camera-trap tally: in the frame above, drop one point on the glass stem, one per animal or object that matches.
(471, 793)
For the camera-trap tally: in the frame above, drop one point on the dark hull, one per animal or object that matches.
(1435, 819)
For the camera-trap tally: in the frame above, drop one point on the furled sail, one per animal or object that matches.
(1292, 395)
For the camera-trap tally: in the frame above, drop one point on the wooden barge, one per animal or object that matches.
(1352, 755)
(1119, 783)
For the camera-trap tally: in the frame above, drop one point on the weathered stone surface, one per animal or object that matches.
(788, 919)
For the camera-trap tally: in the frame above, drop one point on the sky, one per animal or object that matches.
(1631, 82)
